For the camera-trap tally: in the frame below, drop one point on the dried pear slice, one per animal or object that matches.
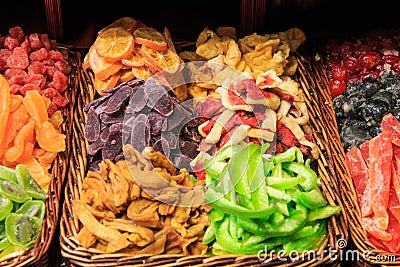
(31, 187)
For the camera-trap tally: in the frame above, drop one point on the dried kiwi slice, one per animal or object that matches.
(8, 174)
(4, 243)
(26, 180)
(6, 207)
(34, 208)
(22, 230)
(13, 191)
(2, 229)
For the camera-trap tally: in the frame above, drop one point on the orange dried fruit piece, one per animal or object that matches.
(114, 43)
(161, 60)
(4, 105)
(150, 37)
(126, 75)
(127, 23)
(49, 138)
(134, 60)
(101, 67)
(142, 72)
(110, 82)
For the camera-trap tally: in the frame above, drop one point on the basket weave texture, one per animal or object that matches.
(328, 162)
(38, 255)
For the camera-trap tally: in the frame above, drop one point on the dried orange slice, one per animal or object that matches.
(127, 23)
(126, 75)
(114, 43)
(142, 72)
(101, 67)
(134, 60)
(110, 82)
(161, 60)
(150, 37)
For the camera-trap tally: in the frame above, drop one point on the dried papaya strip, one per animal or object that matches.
(4, 105)
(27, 152)
(24, 135)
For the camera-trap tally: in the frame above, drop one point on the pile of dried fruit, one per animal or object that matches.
(128, 49)
(119, 212)
(33, 62)
(22, 209)
(362, 56)
(27, 134)
(141, 114)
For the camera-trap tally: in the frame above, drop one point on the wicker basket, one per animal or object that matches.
(39, 254)
(368, 253)
(75, 255)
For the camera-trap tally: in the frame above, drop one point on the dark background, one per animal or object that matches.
(319, 19)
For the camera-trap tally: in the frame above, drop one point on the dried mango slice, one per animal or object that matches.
(15, 102)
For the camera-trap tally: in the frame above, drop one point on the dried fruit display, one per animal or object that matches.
(23, 208)
(135, 112)
(28, 135)
(33, 62)
(128, 219)
(363, 104)
(374, 168)
(128, 49)
(366, 55)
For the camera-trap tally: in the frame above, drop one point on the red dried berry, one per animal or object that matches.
(352, 64)
(369, 60)
(337, 87)
(340, 73)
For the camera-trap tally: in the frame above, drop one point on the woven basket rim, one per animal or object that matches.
(69, 226)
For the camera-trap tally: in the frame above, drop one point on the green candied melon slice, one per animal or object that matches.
(26, 180)
(22, 230)
(13, 191)
(6, 207)
(8, 174)
(33, 208)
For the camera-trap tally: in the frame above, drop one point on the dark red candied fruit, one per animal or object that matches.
(369, 74)
(369, 60)
(352, 79)
(340, 73)
(390, 59)
(346, 49)
(337, 87)
(332, 62)
(396, 68)
(360, 49)
(352, 64)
